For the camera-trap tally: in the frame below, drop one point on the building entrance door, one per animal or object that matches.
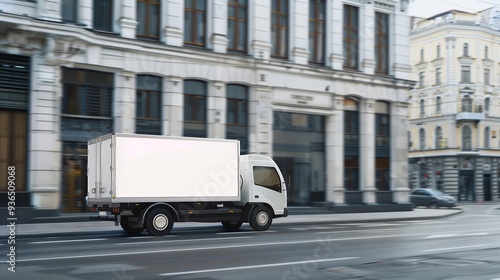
(466, 190)
(74, 177)
(487, 187)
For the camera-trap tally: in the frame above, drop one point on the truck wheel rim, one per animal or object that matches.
(262, 218)
(160, 222)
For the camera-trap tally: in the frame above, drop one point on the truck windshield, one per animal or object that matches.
(267, 177)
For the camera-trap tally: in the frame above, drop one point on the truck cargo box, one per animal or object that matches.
(144, 168)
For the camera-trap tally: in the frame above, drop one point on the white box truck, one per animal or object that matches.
(149, 182)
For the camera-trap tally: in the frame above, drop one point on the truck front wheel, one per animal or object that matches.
(261, 218)
(129, 225)
(159, 222)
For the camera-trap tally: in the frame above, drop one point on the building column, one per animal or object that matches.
(401, 53)
(44, 147)
(218, 34)
(367, 39)
(173, 106)
(260, 29)
(128, 22)
(336, 56)
(85, 13)
(260, 121)
(335, 153)
(300, 31)
(173, 31)
(399, 152)
(124, 102)
(367, 155)
(216, 110)
(49, 10)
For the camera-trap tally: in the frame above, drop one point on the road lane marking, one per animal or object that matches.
(379, 225)
(184, 240)
(254, 266)
(456, 235)
(455, 248)
(242, 232)
(67, 241)
(149, 237)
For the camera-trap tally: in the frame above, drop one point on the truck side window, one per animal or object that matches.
(267, 177)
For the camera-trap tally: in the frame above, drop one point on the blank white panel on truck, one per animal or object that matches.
(156, 168)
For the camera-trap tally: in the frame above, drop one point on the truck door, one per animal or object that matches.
(269, 187)
(99, 170)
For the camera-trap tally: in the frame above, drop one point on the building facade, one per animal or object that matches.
(321, 86)
(454, 110)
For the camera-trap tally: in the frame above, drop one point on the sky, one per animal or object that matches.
(429, 8)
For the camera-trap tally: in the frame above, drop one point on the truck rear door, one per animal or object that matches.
(100, 157)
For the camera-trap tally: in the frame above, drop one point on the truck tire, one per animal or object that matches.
(231, 225)
(261, 218)
(159, 222)
(130, 226)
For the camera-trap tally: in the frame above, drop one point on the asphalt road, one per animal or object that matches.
(466, 246)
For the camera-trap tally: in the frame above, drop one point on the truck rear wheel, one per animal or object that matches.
(129, 225)
(159, 222)
(261, 218)
(231, 225)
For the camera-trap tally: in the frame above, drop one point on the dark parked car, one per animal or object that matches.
(431, 198)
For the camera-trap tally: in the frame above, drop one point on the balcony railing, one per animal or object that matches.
(468, 112)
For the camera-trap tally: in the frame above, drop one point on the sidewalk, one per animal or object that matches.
(73, 228)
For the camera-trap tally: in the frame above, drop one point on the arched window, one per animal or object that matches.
(438, 104)
(422, 108)
(466, 104)
(439, 136)
(466, 138)
(466, 49)
(487, 137)
(421, 139)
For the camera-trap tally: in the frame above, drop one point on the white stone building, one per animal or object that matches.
(320, 85)
(454, 110)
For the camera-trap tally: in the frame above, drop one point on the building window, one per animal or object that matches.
(103, 15)
(466, 49)
(237, 115)
(195, 22)
(382, 129)
(13, 136)
(237, 25)
(195, 108)
(422, 55)
(148, 18)
(465, 74)
(382, 144)
(421, 139)
(438, 51)
(486, 52)
(438, 104)
(87, 93)
(351, 30)
(438, 76)
(422, 108)
(487, 137)
(466, 104)
(410, 143)
(381, 43)
(487, 105)
(279, 28)
(421, 79)
(317, 31)
(69, 11)
(148, 105)
(439, 136)
(466, 138)
(486, 76)
(351, 144)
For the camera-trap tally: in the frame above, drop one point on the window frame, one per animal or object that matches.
(65, 6)
(193, 37)
(280, 31)
(382, 43)
(148, 27)
(148, 92)
(104, 15)
(350, 37)
(194, 97)
(465, 74)
(235, 38)
(317, 31)
(276, 187)
(421, 139)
